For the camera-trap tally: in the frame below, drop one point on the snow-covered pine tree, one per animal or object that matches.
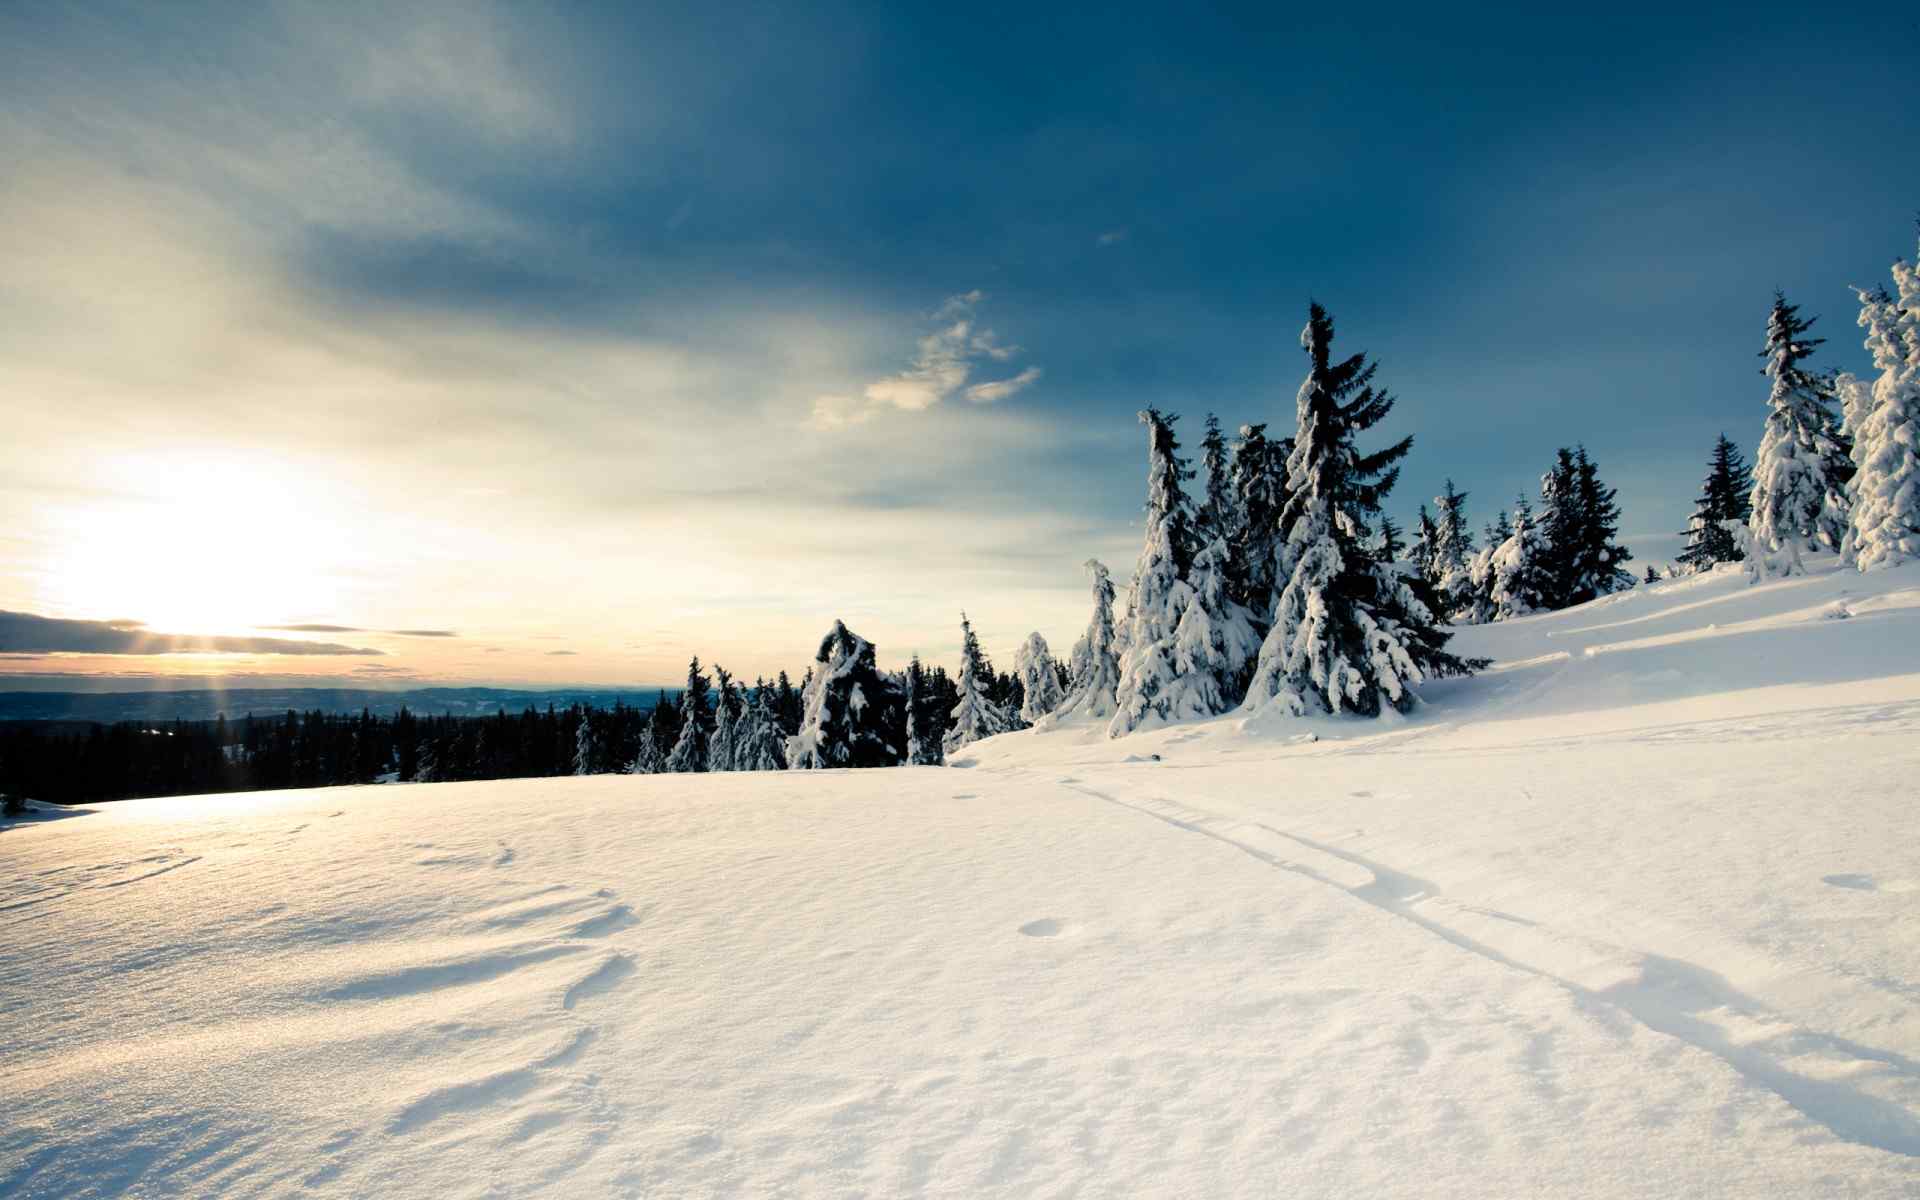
(1597, 557)
(1726, 495)
(924, 729)
(1579, 522)
(1215, 644)
(1259, 493)
(584, 748)
(1216, 517)
(1039, 679)
(849, 709)
(648, 758)
(1520, 584)
(1187, 648)
(975, 715)
(696, 724)
(1799, 495)
(1094, 667)
(1473, 602)
(1349, 634)
(1884, 527)
(727, 728)
(1453, 552)
(760, 744)
(1425, 553)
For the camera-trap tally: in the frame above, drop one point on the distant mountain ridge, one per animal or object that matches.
(204, 704)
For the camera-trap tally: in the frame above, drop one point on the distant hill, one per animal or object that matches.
(205, 704)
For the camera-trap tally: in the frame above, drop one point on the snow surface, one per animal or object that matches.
(1635, 914)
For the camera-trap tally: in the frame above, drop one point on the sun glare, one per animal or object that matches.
(198, 543)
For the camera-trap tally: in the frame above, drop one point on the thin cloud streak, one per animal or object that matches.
(28, 632)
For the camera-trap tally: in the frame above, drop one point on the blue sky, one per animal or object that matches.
(633, 331)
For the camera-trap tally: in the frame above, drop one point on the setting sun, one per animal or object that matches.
(198, 542)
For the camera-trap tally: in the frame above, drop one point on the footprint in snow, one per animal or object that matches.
(1859, 883)
(1045, 927)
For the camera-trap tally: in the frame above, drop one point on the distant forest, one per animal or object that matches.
(70, 762)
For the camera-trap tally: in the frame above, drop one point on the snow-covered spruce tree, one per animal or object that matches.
(1217, 516)
(1579, 523)
(1187, 649)
(1215, 644)
(1426, 558)
(1597, 559)
(585, 750)
(1039, 678)
(1349, 635)
(1473, 601)
(760, 745)
(1726, 495)
(1453, 552)
(848, 709)
(1259, 493)
(696, 724)
(1094, 666)
(1799, 477)
(975, 715)
(1519, 578)
(1884, 527)
(924, 726)
(648, 758)
(726, 722)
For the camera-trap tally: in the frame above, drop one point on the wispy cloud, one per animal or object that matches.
(562, 653)
(1112, 237)
(1000, 389)
(311, 628)
(943, 363)
(53, 635)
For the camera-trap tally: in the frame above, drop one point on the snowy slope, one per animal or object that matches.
(1637, 913)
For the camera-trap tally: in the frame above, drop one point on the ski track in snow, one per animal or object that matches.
(1669, 996)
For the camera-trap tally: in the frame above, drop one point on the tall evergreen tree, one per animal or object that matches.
(1884, 526)
(689, 752)
(1579, 524)
(726, 722)
(1453, 550)
(1216, 517)
(1426, 554)
(1726, 495)
(649, 758)
(787, 705)
(1799, 477)
(1597, 557)
(761, 744)
(1094, 667)
(1519, 580)
(849, 709)
(1187, 648)
(975, 715)
(585, 750)
(1039, 679)
(1260, 492)
(924, 728)
(1348, 634)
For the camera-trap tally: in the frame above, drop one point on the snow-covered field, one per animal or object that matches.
(1635, 914)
